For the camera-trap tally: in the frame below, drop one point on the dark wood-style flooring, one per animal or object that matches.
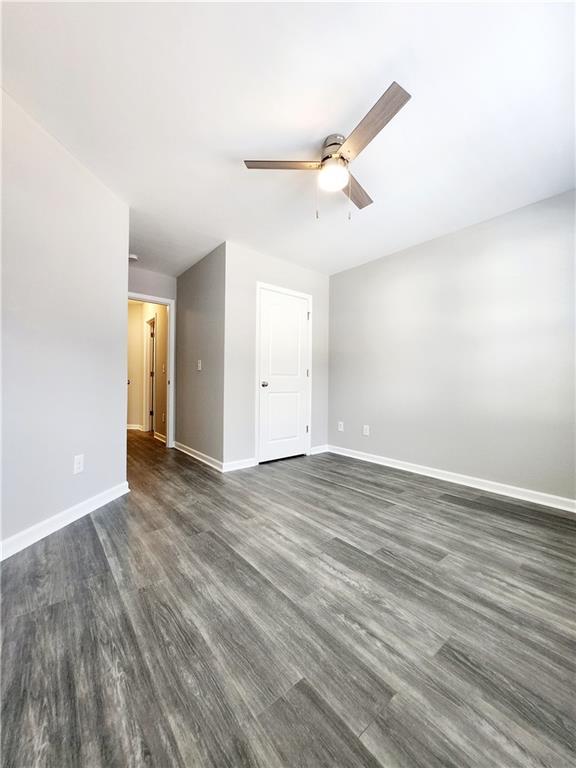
(317, 612)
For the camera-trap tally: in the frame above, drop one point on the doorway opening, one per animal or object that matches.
(150, 364)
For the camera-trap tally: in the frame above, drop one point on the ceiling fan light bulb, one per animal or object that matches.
(333, 175)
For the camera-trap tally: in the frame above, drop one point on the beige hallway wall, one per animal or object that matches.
(139, 313)
(135, 364)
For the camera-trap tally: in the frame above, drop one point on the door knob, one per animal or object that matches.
(264, 383)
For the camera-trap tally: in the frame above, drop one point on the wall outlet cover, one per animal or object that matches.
(199, 365)
(366, 430)
(78, 463)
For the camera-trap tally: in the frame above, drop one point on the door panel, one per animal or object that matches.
(284, 415)
(284, 374)
(284, 341)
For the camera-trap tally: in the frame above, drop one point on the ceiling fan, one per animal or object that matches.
(338, 152)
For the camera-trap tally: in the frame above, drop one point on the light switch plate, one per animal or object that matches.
(199, 365)
(78, 463)
(366, 430)
(340, 426)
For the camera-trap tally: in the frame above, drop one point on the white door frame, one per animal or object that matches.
(288, 292)
(171, 304)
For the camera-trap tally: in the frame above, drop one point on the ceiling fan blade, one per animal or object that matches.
(284, 165)
(388, 105)
(357, 193)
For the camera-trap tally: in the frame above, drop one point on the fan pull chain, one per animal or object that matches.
(349, 197)
(316, 201)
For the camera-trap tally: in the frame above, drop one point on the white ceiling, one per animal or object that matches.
(164, 101)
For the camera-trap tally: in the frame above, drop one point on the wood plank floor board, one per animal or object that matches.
(308, 734)
(555, 585)
(210, 559)
(352, 690)
(446, 730)
(42, 574)
(40, 724)
(379, 616)
(556, 726)
(447, 511)
(121, 722)
(455, 602)
(314, 612)
(287, 565)
(513, 590)
(130, 554)
(248, 652)
(212, 723)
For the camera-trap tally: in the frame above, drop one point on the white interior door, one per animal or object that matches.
(284, 381)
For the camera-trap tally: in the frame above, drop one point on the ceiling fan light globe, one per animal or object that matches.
(333, 175)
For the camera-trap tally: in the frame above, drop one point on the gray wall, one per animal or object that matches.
(459, 353)
(244, 268)
(151, 283)
(65, 251)
(200, 336)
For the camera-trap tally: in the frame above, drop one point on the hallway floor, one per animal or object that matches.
(317, 612)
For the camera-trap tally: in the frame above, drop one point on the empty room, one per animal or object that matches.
(288, 385)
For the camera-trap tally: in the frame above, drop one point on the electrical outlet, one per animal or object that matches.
(78, 463)
(340, 426)
(366, 430)
(163, 418)
(199, 365)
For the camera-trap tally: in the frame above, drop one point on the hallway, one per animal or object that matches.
(314, 612)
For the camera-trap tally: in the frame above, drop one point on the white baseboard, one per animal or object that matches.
(158, 436)
(134, 426)
(232, 466)
(228, 466)
(524, 494)
(319, 449)
(214, 463)
(39, 531)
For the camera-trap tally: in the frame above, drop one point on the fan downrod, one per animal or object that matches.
(332, 145)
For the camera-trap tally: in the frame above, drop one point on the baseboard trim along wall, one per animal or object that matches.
(232, 466)
(31, 535)
(524, 494)
(214, 463)
(319, 449)
(134, 426)
(227, 466)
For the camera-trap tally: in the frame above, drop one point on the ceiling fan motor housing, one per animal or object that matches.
(332, 145)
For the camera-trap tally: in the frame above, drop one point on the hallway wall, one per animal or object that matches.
(65, 280)
(216, 323)
(151, 283)
(200, 336)
(135, 411)
(244, 269)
